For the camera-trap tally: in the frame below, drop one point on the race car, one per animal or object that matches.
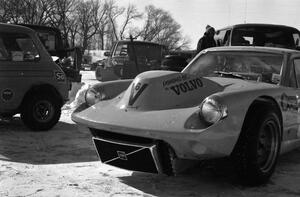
(237, 102)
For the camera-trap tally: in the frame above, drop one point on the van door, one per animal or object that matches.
(19, 65)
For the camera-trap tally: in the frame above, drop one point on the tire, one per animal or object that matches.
(41, 112)
(258, 147)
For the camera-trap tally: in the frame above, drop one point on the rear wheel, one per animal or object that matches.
(258, 148)
(41, 112)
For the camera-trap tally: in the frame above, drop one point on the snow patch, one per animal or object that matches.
(76, 95)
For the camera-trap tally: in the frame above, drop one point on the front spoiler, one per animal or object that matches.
(136, 157)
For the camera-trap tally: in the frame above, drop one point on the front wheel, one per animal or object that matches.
(258, 148)
(41, 112)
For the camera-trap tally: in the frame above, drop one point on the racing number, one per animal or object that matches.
(59, 76)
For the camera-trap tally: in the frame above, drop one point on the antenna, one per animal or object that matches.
(245, 12)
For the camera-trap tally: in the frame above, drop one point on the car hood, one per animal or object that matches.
(157, 90)
(162, 90)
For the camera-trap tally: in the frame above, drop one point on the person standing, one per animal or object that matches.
(207, 39)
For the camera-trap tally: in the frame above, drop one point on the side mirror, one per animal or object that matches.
(107, 53)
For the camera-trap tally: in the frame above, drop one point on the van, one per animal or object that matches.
(31, 83)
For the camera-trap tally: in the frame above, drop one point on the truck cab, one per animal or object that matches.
(31, 83)
(128, 58)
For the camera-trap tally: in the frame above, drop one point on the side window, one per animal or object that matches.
(296, 39)
(292, 79)
(297, 71)
(121, 50)
(226, 38)
(219, 37)
(17, 47)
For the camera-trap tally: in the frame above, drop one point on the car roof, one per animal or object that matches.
(254, 49)
(15, 28)
(260, 25)
(139, 42)
(41, 27)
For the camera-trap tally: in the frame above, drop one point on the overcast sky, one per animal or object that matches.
(194, 15)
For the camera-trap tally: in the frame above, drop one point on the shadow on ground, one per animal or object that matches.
(218, 178)
(62, 144)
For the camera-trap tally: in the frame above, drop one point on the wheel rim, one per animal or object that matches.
(268, 144)
(43, 111)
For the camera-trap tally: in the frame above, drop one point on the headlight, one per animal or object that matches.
(93, 96)
(211, 110)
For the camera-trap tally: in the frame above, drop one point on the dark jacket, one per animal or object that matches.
(205, 42)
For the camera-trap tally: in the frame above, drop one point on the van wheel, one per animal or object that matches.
(258, 148)
(41, 112)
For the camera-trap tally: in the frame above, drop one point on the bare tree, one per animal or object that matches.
(114, 11)
(4, 11)
(90, 13)
(73, 29)
(162, 28)
(26, 11)
(62, 15)
(101, 20)
(130, 15)
(102, 32)
(37, 11)
(12, 11)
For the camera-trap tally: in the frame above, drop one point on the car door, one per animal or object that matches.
(296, 63)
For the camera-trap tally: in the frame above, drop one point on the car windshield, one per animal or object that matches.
(264, 67)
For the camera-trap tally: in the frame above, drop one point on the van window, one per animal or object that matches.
(17, 47)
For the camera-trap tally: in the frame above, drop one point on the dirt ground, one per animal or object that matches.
(63, 162)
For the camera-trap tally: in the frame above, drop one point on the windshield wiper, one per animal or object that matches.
(229, 74)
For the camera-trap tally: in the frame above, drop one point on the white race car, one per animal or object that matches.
(241, 102)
